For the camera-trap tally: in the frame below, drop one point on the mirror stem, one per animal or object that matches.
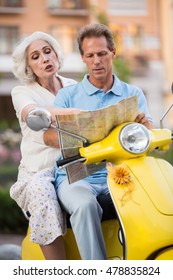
(84, 140)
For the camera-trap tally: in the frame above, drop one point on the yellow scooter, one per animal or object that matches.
(141, 187)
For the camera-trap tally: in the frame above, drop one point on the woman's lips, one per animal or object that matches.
(48, 67)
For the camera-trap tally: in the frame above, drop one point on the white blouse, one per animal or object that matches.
(35, 154)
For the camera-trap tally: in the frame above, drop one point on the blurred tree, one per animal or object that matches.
(103, 18)
(122, 69)
(12, 220)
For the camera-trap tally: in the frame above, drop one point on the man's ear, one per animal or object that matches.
(114, 53)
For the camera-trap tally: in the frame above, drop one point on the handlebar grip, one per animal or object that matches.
(62, 162)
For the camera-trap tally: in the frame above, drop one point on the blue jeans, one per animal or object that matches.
(80, 201)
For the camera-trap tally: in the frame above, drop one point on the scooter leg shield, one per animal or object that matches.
(145, 207)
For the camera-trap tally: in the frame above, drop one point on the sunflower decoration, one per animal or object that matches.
(121, 176)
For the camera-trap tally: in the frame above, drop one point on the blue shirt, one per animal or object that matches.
(86, 96)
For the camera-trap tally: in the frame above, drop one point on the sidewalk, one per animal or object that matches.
(11, 239)
(10, 246)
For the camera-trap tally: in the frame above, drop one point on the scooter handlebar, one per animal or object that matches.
(68, 161)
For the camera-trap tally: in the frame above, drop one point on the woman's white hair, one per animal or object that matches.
(20, 67)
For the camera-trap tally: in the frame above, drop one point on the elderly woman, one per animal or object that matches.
(36, 62)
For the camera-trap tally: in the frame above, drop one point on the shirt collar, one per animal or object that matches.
(91, 89)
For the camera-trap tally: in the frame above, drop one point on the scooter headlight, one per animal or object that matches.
(135, 138)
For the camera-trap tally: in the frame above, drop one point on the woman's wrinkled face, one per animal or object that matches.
(42, 59)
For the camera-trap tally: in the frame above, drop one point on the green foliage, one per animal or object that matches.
(4, 124)
(122, 69)
(8, 174)
(167, 155)
(12, 219)
(15, 125)
(103, 18)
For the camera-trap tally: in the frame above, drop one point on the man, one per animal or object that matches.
(99, 88)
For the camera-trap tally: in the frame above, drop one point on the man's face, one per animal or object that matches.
(98, 58)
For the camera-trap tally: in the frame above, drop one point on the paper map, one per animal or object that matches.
(94, 126)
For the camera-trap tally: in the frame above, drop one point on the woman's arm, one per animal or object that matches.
(50, 136)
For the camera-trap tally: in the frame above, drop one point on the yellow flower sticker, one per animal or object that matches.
(121, 176)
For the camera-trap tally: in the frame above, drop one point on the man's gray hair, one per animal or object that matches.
(20, 69)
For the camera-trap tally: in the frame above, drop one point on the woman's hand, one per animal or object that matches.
(50, 137)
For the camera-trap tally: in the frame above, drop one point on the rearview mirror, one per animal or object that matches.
(38, 119)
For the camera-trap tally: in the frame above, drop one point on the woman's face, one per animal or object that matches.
(42, 59)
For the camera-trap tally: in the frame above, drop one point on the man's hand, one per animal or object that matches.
(141, 118)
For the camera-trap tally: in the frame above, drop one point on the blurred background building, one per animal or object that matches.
(142, 31)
